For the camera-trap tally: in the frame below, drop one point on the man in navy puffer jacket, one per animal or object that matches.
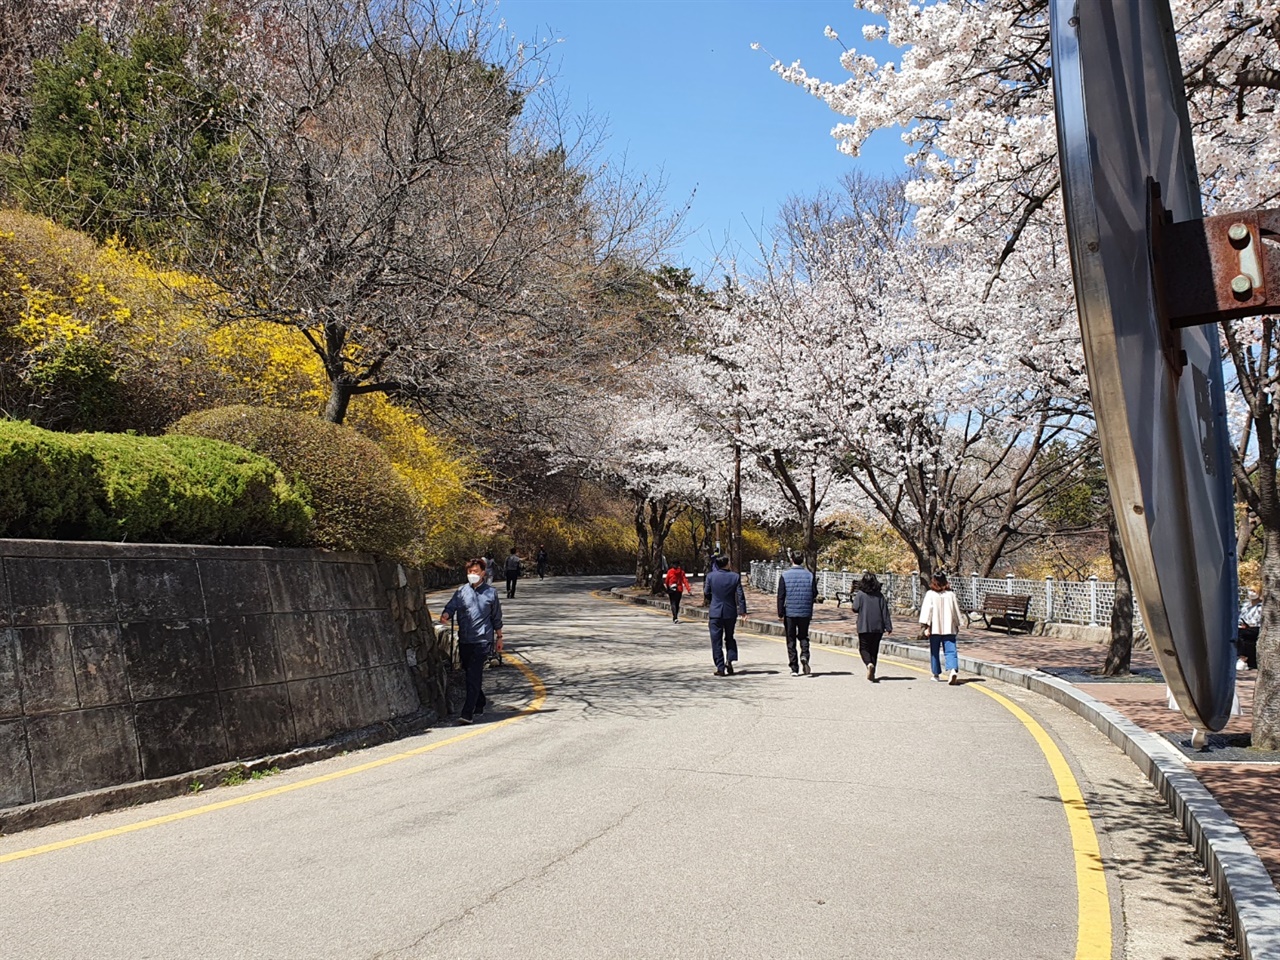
(797, 589)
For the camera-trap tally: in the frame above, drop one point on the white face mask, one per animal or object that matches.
(474, 578)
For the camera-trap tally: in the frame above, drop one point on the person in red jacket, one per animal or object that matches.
(677, 584)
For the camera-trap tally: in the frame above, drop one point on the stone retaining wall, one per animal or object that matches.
(123, 662)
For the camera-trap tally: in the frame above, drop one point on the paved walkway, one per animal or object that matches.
(636, 806)
(1249, 793)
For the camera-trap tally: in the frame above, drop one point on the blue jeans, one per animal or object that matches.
(722, 633)
(948, 642)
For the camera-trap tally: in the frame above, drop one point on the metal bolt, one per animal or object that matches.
(1241, 285)
(1239, 235)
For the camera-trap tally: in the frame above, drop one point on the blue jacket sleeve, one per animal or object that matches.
(782, 597)
(497, 611)
(742, 598)
(452, 606)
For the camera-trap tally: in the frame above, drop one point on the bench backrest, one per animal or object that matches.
(1006, 602)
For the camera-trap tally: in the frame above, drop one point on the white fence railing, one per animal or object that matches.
(1086, 602)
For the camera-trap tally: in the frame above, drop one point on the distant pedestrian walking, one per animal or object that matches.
(940, 617)
(797, 589)
(1247, 635)
(723, 591)
(677, 584)
(479, 616)
(490, 568)
(874, 621)
(512, 568)
(542, 562)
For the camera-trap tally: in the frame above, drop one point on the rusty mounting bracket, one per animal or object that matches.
(1206, 271)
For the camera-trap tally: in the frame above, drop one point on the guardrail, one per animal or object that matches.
(1086, 602)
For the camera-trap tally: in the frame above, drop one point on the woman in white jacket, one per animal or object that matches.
(940, 617)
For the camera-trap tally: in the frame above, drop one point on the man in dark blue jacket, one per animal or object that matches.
(723, 590)
(479, 629)
(797, 589)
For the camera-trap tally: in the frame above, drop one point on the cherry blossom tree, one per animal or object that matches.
(970, 88)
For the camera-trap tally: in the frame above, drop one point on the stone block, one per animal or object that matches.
(82, 750)
(401, 692)
(10, 688)
(244, 651)
(45, 591)
(167, 658)
(15, 765)
(235, 588)
(157, 590)
(258, 720)
(178, 734)
(303, 640)
(369, 703)
(98, 659)
(48, 676)
(368, 638)
(322, 707)
(296, 587)
(355, 585)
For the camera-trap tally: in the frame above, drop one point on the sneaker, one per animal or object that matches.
(1242, 664)
(795, 673)
(675, 619)
(955, 678)
(871, 672)
(936, 678)
(804, 665)
(719, 673)
(728, 668)
(464, 721)
(479, 711)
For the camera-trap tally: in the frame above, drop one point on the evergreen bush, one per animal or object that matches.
(101, 486)
(360, 501)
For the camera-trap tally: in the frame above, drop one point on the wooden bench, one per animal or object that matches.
(1009, 606)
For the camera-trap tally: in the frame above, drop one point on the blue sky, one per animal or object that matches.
(683, 91)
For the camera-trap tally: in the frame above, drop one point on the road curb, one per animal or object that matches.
(78, 805)
(1239, 877)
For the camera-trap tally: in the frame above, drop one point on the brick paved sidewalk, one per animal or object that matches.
(1249, 793)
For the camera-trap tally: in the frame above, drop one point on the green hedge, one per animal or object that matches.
(103, 486)
(361, 502)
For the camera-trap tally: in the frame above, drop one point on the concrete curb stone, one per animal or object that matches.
(1239, 876)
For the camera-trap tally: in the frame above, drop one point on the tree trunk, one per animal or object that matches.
(1266, 695)
(642, 550)
(1121, 649)
(335, 410)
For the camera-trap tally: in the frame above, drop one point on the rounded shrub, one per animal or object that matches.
(360, 501)
(103, 486)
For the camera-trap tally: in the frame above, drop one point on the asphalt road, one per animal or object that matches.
(648, 809)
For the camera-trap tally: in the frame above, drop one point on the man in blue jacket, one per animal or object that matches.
(723, 590)
(479, 628)
(797, 589)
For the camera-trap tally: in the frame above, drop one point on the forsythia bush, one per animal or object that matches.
(160, 489)
(591, 545)
(360, 501)
(95, 337)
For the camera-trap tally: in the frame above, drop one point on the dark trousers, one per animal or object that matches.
(674, 597)
(542, 569)
(797, 629)
(1247, 646)
(511, 584)
(723, 645)
(869, 646)
(473, 656)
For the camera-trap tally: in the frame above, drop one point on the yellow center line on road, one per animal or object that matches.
(1093, 905)
(539, 698)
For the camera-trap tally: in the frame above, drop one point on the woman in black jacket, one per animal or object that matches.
(873, 621)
